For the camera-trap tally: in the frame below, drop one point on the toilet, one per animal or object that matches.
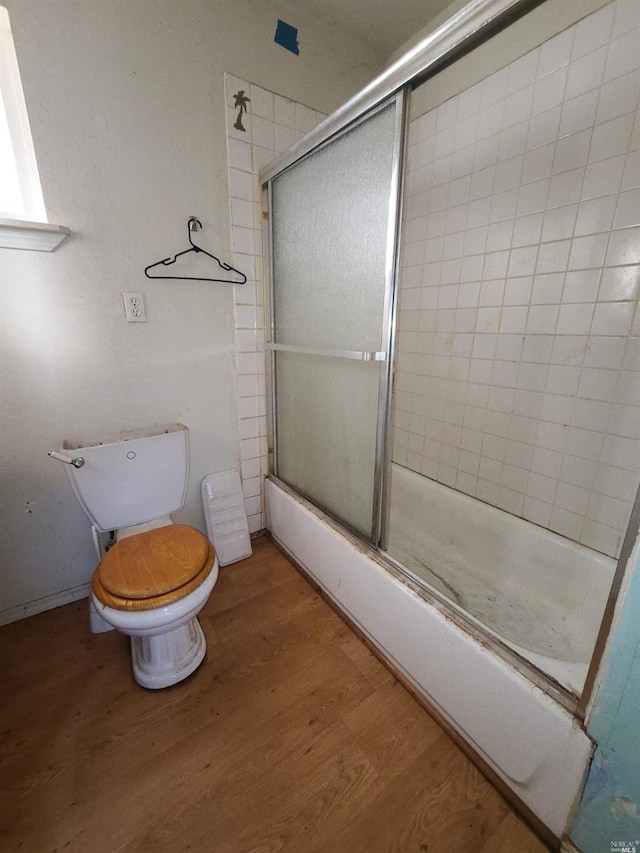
(158, 575)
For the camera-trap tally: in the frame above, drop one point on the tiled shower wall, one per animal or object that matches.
(271, 124)
(518, 357)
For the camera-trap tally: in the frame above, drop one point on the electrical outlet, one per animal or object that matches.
(134, 307)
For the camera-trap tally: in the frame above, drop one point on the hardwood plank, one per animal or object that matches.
(290, 737)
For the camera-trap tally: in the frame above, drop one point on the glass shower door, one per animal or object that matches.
(333, 218)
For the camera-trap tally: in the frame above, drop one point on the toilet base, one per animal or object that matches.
(160, 660)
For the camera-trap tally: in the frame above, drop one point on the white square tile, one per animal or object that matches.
(543, 128)
(574, 319)
(606, 352)
(540, 487)
(527, 230)
(627, 17)
(553, 257)
(538, 163)
(482, 183)
(623, 56)
(625, 421)
(513, 140)
(284, 111)
(624, 247)
(593, 31)
(566, 523)
(261, 157)
(242, 185)
(591, 414)
(631, 175)
(242, 213)
(522, 262)
(581, 286)
(621, 452)
(261, 102)
(615, 482)
(533, 197)
(559, 223)
(611, 138)
(243, 240)
(513, 319)
(446, 114)
(426, 125)
(255, 523)
(612, 318)
(602, 178)
(284, 137)
(549, 91)
(537, 348)
(595, 383)
(618, 97)
(247, 363)
(494, 88)
(579, 113)
(586, 73)
(572, 498)
(262, 131)
(522, 72)
(628, 209)
(588, 252)
(240, 155)
(547, 290)
(571, 152)
(246, 317)
(619, 284)
(499, 236)
(595, 216)
(542, 319)
(249, 448)
(555, 53)
(517, 108)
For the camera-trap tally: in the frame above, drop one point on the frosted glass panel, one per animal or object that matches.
(326, 412)
(330, 215)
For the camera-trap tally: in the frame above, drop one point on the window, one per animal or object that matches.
(20, 192)
(23, 218)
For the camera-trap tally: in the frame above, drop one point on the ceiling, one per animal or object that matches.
(383, 25)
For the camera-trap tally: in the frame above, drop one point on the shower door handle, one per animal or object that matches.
(357, 355)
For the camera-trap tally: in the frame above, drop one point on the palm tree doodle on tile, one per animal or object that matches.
(240, 102)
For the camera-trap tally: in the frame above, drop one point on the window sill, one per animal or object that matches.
(33, 236)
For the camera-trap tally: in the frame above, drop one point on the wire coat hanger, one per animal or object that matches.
(194, 224)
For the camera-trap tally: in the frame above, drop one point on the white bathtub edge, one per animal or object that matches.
(533, 744)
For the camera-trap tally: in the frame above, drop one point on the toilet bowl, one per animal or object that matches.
(154, 580)
(151, 586)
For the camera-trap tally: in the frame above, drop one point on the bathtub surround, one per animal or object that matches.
(271, 124)
(518, 352)
(534, 745)
(127, 109)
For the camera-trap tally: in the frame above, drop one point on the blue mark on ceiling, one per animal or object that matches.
(287, 36)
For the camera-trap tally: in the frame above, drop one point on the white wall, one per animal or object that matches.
(126, 102)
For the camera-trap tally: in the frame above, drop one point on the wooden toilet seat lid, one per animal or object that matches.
(151, 564)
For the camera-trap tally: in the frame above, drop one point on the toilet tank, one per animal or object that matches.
(131, 477)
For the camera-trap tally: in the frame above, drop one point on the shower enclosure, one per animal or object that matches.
(453, 340)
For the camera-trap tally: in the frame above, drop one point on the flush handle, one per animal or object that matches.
(77, 461)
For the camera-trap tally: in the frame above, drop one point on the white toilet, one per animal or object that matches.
(158, 575)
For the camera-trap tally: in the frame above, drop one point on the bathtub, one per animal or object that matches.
(541, 594)
(534, 744)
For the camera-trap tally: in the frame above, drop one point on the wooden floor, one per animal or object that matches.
(290, 737)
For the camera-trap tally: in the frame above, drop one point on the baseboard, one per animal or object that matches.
(49, 602)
